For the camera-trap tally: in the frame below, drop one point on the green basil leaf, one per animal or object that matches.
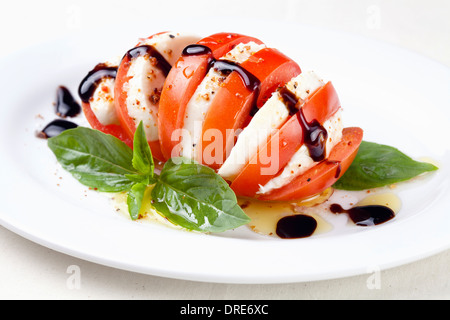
(134, 199)
(142, 155)
(195, 197)
(139, 178)
(378, 165)
(95, 159)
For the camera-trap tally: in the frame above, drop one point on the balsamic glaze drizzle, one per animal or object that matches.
(339, 167)
(90, 83)
(66, 106)
(55, 127)
(196, 50)
(289, 99)
(366, 216)
(315, 137)
(314, 134)
(298, 226)
(225, 67)
(157, 59)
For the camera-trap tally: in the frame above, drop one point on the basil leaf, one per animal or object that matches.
(134, 199)
(195, 197)
(142, 155)
(378, 165)
(95, 159)
(139, 178)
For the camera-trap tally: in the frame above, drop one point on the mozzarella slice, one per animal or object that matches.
(170, 44)
(146, 80)
(305, 84)
(102, 102)
(268, 119)
(301, 160)
(200, 102)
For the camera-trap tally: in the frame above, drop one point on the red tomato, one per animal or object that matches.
(230, 109)
(122, 111)
(321, 105)
(324, 174)
(273, 69)
(112, 129)
(121, 94)
(181, 83)
(221, 43)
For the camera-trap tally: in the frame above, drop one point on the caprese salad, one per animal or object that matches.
(227, 115)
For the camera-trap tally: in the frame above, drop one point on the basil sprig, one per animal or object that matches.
(186, 193)
(186, 188)
(378, 165)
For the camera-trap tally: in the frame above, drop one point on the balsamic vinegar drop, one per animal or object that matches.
(56, 127)
(66, 106)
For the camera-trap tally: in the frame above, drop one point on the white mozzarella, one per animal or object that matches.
(305, 84)
(242, 52)
(268, 119)
(301, 160)
(143, 92)
(146, 80)
(170, 44)
(200, 102)
(102, 101)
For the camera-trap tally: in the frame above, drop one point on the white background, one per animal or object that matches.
(30, 271)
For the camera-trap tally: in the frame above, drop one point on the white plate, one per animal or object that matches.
(398, 97)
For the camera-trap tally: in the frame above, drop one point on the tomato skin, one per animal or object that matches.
(230, 109)
(221, 43)
(228, 112)
(285, 142)
(273, 69)
(181, 83)
(120, 97)
(324, 174)
(112, 129)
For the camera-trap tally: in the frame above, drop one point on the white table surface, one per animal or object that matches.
(30, 271)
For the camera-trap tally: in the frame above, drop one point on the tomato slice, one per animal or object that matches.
(122, 110)
(181, 83)
(273, 68)
(113, 129)
(324, 174)
(223, 42)
(170, 46)
(120, 97)
(92, 84)
(284, 143)
(233, 102)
